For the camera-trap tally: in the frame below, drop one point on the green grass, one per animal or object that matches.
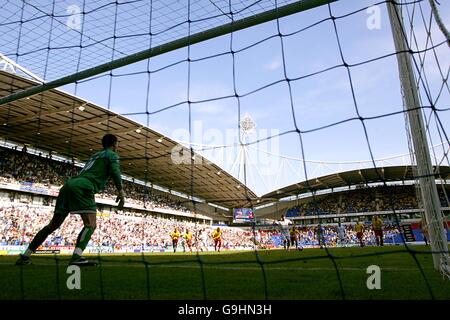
(309, 274)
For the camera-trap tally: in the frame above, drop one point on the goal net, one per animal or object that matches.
(221, 104)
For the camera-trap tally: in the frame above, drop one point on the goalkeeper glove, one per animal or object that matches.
(121, 199)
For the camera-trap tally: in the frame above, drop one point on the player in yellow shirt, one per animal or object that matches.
(294, 233)
(188, 240)
(175, 235)
(217, 237)
(377, 226)
(359, 228)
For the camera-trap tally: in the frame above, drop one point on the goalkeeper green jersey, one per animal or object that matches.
(101, 166)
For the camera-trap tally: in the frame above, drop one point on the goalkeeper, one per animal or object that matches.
(77, 196)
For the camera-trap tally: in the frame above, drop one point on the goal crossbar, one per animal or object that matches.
(289, 9)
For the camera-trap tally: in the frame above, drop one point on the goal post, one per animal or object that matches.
(428, 190)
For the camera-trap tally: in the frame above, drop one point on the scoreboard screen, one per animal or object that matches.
(243, 215)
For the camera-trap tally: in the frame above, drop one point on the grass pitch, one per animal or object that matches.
(310, 274)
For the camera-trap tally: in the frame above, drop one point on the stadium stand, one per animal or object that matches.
(137, 231)
(116, 232)
(44, 172)
(368, 199)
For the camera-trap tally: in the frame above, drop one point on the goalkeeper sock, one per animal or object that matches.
(82, 241)
(39, 238)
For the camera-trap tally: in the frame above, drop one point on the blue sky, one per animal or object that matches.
(317, 101)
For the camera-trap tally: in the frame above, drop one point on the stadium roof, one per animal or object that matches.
(70, 126)
(350, 178)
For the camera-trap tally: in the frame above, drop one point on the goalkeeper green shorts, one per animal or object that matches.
(76, 196)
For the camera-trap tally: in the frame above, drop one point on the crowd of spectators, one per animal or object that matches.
(369, 199)
(20, 223)
(19, 166)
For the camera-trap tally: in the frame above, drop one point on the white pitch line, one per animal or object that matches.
(134, 265)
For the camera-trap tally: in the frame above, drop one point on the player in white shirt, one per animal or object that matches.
(202, 240)
(284, 230)
(341, 234)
